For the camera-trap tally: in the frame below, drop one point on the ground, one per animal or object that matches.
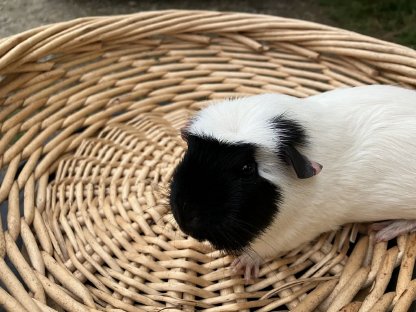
(393, 20)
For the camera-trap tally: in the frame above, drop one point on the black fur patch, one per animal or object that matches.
(218, 195)
(294, 132)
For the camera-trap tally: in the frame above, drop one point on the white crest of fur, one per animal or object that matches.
(365, 138)
(243, 120)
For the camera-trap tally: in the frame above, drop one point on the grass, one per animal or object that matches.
(391, 20)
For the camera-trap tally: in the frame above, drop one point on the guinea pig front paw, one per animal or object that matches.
(248, 264)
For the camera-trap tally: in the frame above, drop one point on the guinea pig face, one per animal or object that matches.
(218, 195)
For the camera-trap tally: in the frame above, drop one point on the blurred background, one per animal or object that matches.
(391, 20)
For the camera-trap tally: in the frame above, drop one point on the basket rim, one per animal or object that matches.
(9, 44)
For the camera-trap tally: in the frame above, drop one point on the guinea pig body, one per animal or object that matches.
(363, 137)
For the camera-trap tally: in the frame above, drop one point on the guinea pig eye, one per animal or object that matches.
(248, 170)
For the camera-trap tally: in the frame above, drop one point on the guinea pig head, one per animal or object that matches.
(218, 195)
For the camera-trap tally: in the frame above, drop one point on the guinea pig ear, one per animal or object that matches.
(304, 167)
(292, 133)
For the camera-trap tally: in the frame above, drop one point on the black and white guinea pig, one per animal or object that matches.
(251, 183)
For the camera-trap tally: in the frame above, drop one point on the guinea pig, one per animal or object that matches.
(266, 173)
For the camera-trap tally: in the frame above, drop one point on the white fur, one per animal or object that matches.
(243, 120)
(365, 138)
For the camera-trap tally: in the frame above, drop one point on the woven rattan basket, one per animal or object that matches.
(89, 119)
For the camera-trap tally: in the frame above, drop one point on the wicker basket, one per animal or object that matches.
(90, 112)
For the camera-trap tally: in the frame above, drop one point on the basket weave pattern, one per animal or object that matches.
(89, 119)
